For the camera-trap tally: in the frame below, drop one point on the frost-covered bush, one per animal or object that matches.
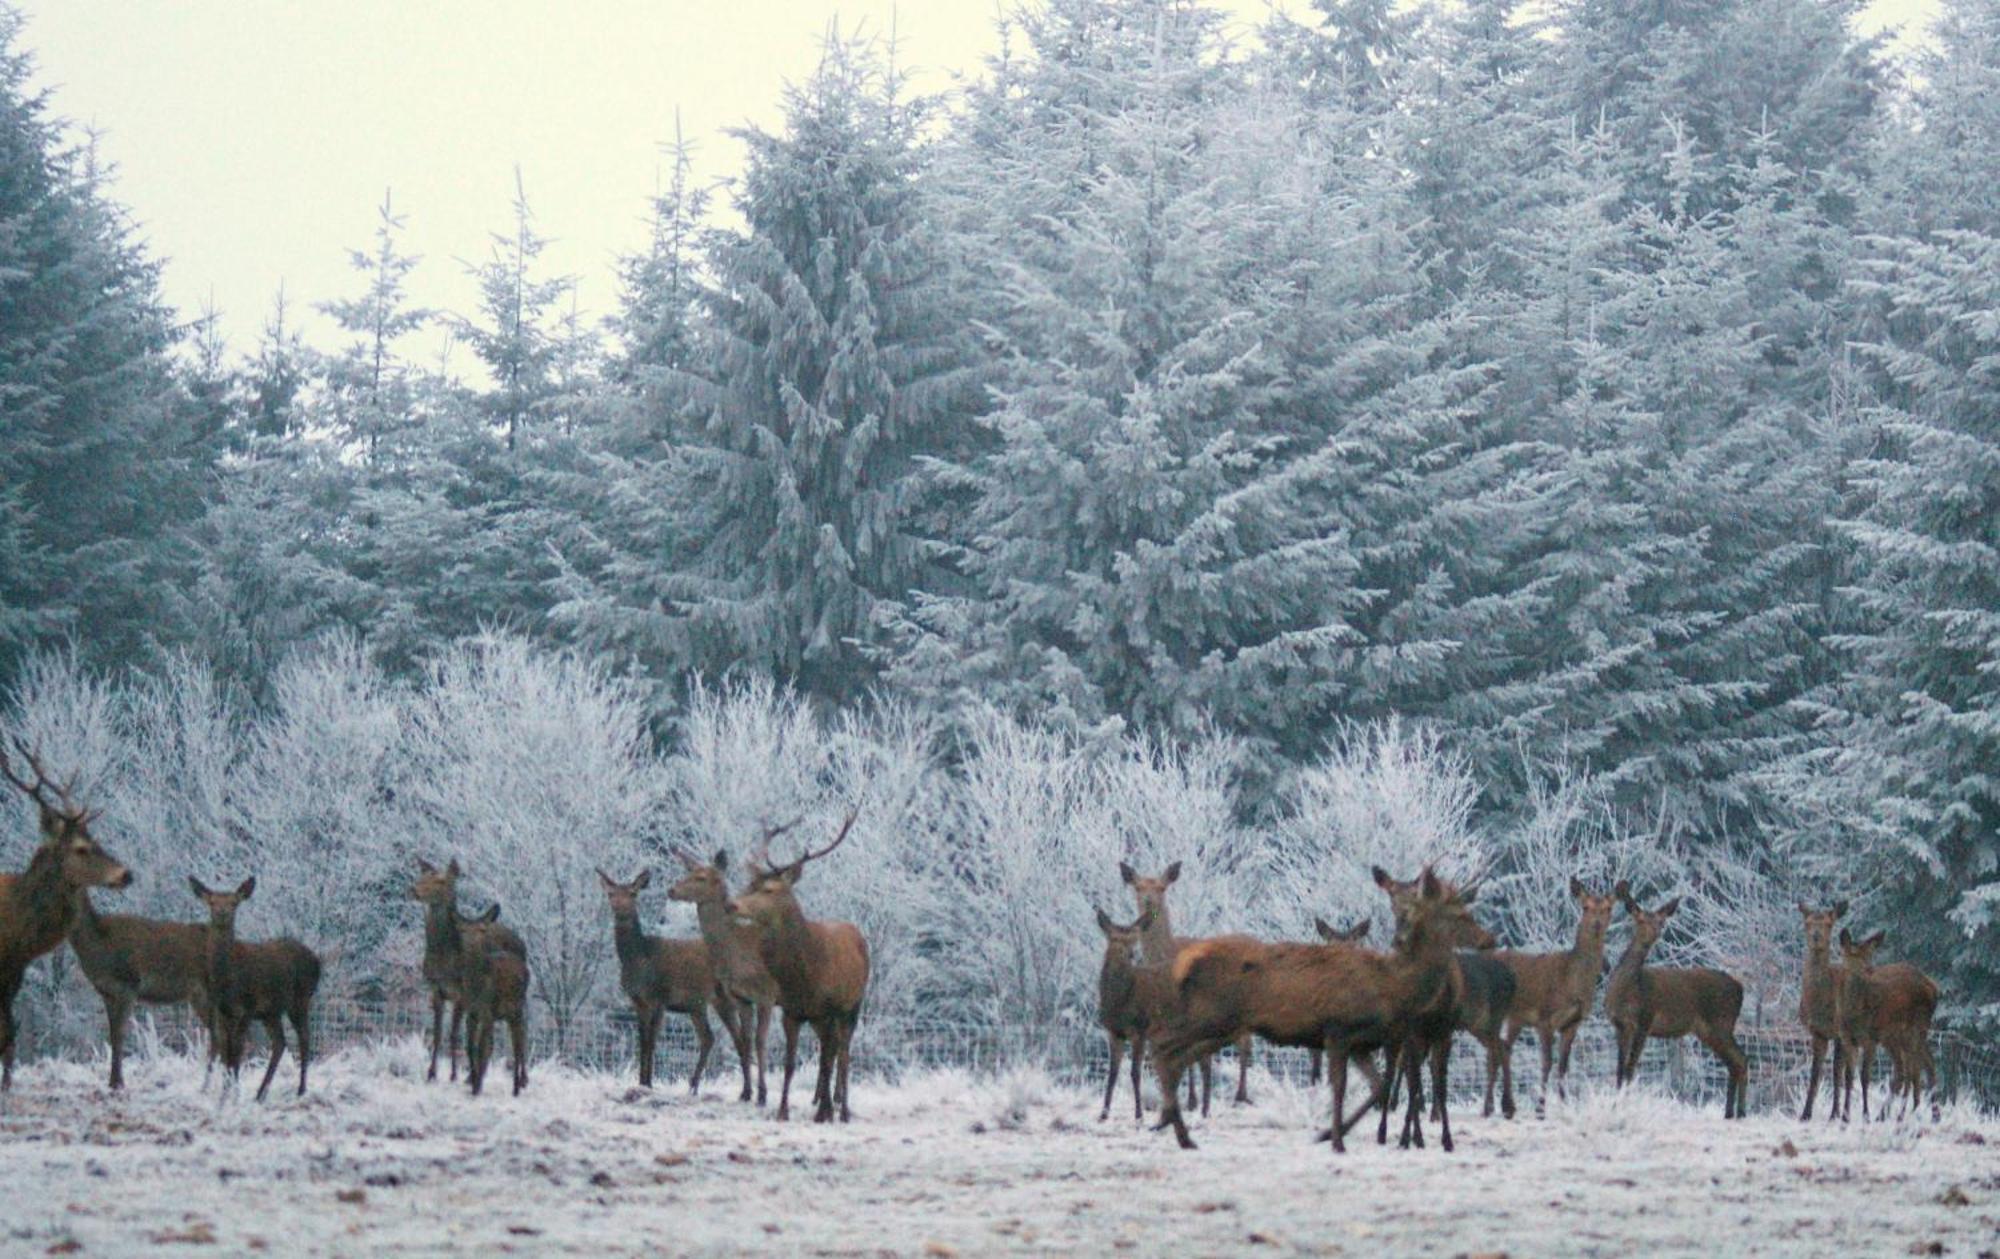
(532, 768)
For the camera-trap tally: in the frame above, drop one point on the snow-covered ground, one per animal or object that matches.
(374, 1161)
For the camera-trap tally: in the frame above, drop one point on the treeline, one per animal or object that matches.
(1605, 389)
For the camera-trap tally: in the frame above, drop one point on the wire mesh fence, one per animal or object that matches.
(606, 1039)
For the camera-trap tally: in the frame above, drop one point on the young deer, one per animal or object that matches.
(38, 905)
(1346, 999)
(1818, 1000)
(128, 960)
(1159, 945)
(1667, 1003)
(1890, 1006)
(1553, 992)
(1127, 995)
(821, 970)
(269, 981)
(494, 983)
(449, 938)
(732, 954)
(659, 975)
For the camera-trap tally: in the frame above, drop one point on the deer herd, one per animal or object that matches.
(1180, 999)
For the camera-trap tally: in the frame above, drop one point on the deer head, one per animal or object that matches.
(1445, 908)
(1819, 925)
(1333, 935)
(702, 882)
(1596, 911)
(1859, 955)
(1123, 941)
(769, 895)
(1646, 925)
(1150, 894)
(66, 826)
(436, 886)
(222, 906)
(624, 897)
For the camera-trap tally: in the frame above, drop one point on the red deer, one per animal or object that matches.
(494, 980)
(449, 938)
(1667, 1003)
(38, 905)
(270, 981)
(732, 953)
(1346, 999)
(1553, 992)
(1890, 1006)
(821, 969)
(128, 960)
(1127, 995)
(1479, 1007)
(1158, 947)
(659, 975)
(1818, 1000)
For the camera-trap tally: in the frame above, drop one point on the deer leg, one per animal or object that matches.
(517, 1032)
(1494, 1047)
(1138, 1068)
(736, 1019)
(642, 1029)
(791, 1063)
(846, 1060)
(1392, 1074)
(1336, 1074)
(6, 1040)
(117, 1014)
(1414, 1055)
(704, 1041)
(457, 1022)
(302, 1030)
(1867, 1057)
(1116, 1043)
(437, 1031)
(1207, 1083)
(274, 1031)
(1438, 1052)
(1567, 1038)
(1545, 1037)
(475, 1061)
(827, 1033)
(1243, 1070)
(763, 1046)
(1812, 1081)
(1169, 1063)
(1318, 1059)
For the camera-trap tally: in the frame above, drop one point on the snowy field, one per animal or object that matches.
(375, 1162)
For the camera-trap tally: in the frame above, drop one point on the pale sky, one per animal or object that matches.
(254, 138)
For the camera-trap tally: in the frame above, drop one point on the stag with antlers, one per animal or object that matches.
(38, 905)
(820, 969)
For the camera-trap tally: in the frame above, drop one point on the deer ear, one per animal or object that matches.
(425, 867)
(1431, 888)
(452, 868)
(245, 888)
(608, 881)
(1360, 932)
(1126, 872)
(1325, 929)
(1575, 888)
(492, 913)
(1382, 879)
(1846, 938)
(1467, 895)
(1671, 908)
(195, 886)
(1840, 909)
(1875, 941)
(644, 881)
(792, 873)
(1174, 872)
(1104, 923)
(1803, 911)
(722, 858)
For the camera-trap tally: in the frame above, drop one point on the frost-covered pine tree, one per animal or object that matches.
(368, 383)
(793, 502)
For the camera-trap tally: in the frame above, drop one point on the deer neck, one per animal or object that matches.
(85, 924)
(442, 934)
(712, 916)
(630, 940)
(44, 902)
(1156, 942)
(1630, 963)
(1586, 956)
(790, 950)
(221, 958)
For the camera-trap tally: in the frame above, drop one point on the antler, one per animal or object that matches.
(845, 827)
(42, 780)
(762, 854)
